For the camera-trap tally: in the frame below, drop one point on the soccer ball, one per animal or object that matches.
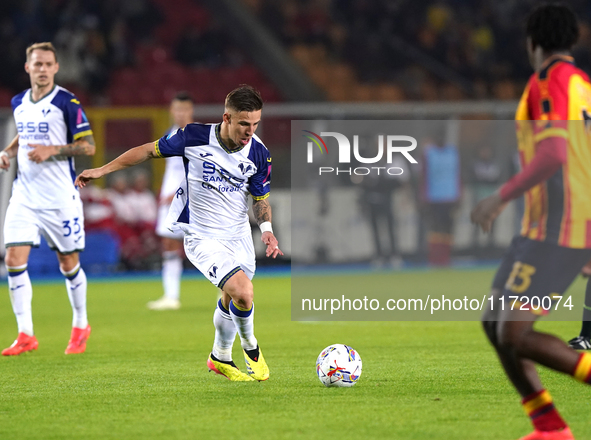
(338, 365)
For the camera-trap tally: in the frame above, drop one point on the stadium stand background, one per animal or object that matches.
(395, 50)
(140, 52)
(373, 59)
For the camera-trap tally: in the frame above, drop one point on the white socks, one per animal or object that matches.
(21, 295)
(172, 270)
(244, 321)
(76, 285)
(225, 333)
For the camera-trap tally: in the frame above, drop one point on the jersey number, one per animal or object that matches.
(523, 272)
(68, 228)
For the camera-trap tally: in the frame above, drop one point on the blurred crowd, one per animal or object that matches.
(96, 39)
(92, 37)
(360, 50)
(127, 209)
(404, 49)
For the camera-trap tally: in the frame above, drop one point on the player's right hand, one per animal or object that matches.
(4, 160)
(486, 211)
(86, 176)
(272, 244)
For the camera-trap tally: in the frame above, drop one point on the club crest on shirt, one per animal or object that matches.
(245, 167)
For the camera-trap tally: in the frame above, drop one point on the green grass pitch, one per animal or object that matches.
(144, 374)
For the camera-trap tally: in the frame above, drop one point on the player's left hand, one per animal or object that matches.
(41, 153)
(486, 211)
(272, 244)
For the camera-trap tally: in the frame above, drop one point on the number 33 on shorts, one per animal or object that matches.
(63, 228)
(75, 228)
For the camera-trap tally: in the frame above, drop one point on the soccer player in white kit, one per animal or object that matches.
(223, 163)
(181, 112)
(52, 128)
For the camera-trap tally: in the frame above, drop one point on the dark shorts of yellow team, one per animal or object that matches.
(537, 273)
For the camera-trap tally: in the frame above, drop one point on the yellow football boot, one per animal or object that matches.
(230, 371)
(256, 366)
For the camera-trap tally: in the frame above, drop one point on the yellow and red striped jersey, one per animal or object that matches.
(557, 103)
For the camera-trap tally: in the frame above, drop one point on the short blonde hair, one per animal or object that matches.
(41, 46)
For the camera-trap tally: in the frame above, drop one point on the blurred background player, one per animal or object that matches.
(181, 112)
(441, 192)
(486, 177)
(52, 128)
(555, 149)
(227, 162)
(376, 202)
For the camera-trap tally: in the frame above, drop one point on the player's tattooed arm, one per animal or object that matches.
(262, 211)
(85, 146)
(80, 147)
(262, 214)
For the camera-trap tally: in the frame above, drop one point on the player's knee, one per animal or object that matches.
(10, 261)
(14, 259)
(240, 289)
(68, 262)
(510, 338)
(244, 297)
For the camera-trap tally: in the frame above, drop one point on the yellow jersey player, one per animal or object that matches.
(555, 240)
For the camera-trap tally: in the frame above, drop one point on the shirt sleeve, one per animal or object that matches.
(550, 103)
(76, 120)
(172, 144)
(551, 155)
(260, 182)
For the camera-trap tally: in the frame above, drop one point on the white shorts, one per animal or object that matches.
(62, 228)
(161, 229)
(218, 260)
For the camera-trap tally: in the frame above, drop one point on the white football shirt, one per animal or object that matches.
(218, 179)
(56, 119)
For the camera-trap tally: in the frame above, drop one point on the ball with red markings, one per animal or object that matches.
(338, 365)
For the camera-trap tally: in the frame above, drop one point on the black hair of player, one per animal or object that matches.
(553, 27)
(183, 97)
(244, 99)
